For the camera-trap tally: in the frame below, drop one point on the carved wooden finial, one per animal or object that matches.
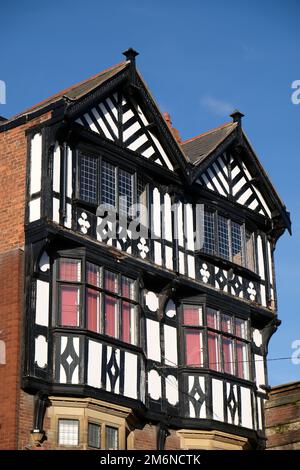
(130, 54)
(237, 116)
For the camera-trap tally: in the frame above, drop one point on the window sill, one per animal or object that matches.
(89, 206)
(99, 336)
(217, 374)
(79, 204)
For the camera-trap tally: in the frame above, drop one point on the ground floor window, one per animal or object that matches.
(103, 436)
(68, 432)
(87, 424)
(111, 438)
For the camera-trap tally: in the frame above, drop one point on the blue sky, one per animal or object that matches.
(200, 59)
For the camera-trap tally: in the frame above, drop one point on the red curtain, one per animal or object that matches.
(93, 310)
(193, 346)
(126, 313)
(213, 351)
(211, 316)
(126, 287)
(228, 356)
(69, 269)
(110, 281)
(242, 365)
(111, 327)
(192, 316)
(240, 327)
(69, 302)
(93, 274)
(226, 324)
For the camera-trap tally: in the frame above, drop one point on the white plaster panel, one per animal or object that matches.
(170, 339)
(35, 164)
(246, 407)
(153, 340)
(152, 301)
(35, 209)
(94, 364)
(154, 385)
(41, 351)
(172, 389)
(259, 371)
(170, 309)
(42, 303)
(167, 218)
(56, 168)
(217, 400)
(130, 375)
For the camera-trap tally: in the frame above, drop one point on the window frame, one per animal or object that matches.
(106, 425)
(85, 286)
(94, 423)
(244, 229)
(60, 283)
(221, 335)
(103, 425)
(101, 157)
(68, 418)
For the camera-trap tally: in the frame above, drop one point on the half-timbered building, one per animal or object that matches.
(149, 285)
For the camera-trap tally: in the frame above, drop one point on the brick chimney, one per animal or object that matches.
(174, 131)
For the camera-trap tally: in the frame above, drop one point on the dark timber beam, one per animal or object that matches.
(130, 55)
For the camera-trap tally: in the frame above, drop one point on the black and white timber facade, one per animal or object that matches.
(175, 330)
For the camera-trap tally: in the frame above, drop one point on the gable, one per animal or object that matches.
(228, 176)
(120, 118)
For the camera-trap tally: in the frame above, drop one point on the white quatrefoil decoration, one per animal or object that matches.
(84, 223)
(205, 273)
(251, 291)
(143, 249)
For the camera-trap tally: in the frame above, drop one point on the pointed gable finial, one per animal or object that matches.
(237, 116)
(130, 55)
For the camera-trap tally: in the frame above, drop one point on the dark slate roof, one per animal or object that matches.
(199, 147)
(77, 91)
(86, 86)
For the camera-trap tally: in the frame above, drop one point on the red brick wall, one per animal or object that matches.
(172, 441)
(14, 409)
(282, 414)
(25, 420)
(145, 439)
(11, 266)
(13, 153)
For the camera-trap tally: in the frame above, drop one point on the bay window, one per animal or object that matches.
(101, 182)
(69, 292)
(192, 316)
(101, 300)
(216, 340)
(228, 239)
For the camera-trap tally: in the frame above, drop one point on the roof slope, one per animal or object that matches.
(199, 147)
(76, 91)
